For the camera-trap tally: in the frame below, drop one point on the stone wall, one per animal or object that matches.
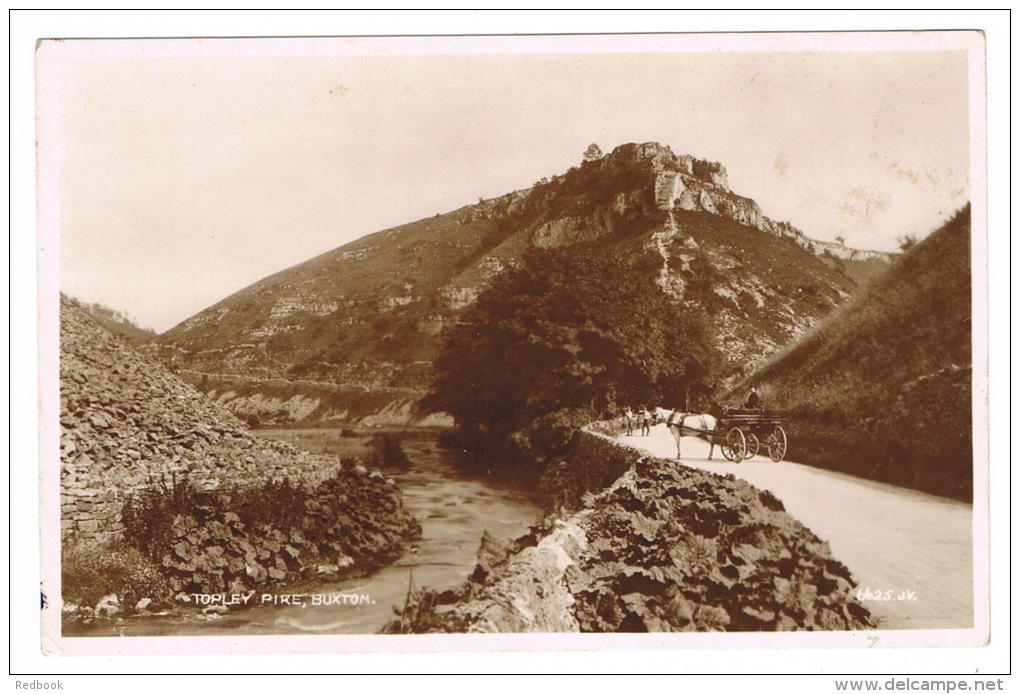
(596, 461)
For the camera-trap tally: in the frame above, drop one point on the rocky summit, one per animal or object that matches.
(349, 337)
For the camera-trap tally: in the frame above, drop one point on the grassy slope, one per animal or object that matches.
(882, 389)
(863, 271)
(357, 338)
(424, 254)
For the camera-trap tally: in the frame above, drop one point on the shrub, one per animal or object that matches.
(91, 569)
(384, 451)
(148, 516)
(235, 539)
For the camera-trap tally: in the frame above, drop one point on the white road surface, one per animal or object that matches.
(912, 554)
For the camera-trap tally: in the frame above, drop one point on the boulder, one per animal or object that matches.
(108, 606)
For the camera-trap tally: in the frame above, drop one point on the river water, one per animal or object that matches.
(453, 509)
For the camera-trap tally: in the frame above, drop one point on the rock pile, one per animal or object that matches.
(664, 548)
(130, 429)
(127, 424)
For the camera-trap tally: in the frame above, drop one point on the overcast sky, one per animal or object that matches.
(178, 172)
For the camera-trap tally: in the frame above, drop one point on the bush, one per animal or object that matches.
(148, 516)
(384, 451)
(91, 570)
(236, 539)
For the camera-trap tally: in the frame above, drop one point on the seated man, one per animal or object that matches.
(752, 399)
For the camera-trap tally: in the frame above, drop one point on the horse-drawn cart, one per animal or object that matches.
(748, 430)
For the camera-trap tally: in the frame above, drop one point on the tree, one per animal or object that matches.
(593, 152)
(564, 339)
(907, 242)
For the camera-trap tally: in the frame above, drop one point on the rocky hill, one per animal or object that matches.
(146, 461)
(882, 389)
(370, 315)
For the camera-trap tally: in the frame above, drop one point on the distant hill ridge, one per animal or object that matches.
(371, 314)
(118, 323)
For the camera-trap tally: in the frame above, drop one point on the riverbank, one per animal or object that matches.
(454, 510)
(634, 543)
(662, 548)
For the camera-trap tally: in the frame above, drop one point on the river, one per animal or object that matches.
(453, 508)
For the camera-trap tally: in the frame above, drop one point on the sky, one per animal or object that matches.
(183, 171)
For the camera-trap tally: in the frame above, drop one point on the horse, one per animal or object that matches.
(682, 424)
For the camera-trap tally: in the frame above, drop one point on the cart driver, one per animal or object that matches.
(752, 399)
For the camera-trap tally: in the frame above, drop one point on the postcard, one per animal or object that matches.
(527, 343)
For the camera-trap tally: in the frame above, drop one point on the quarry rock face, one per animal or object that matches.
(571, 230)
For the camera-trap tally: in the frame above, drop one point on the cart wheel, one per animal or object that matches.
(724, 447)
(752, 446)
(735, 445)
(776, 443)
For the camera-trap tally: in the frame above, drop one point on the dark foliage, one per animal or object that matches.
(563, 339)
(237, 538)
(385, 452)
(148, 516)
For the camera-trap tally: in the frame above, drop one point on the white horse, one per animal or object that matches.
(682, 424)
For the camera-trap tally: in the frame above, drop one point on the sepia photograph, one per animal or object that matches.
(537, 342)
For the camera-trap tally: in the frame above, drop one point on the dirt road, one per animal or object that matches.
(911, 553)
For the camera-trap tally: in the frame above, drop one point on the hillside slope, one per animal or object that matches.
(882, 389)
(371, 314)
